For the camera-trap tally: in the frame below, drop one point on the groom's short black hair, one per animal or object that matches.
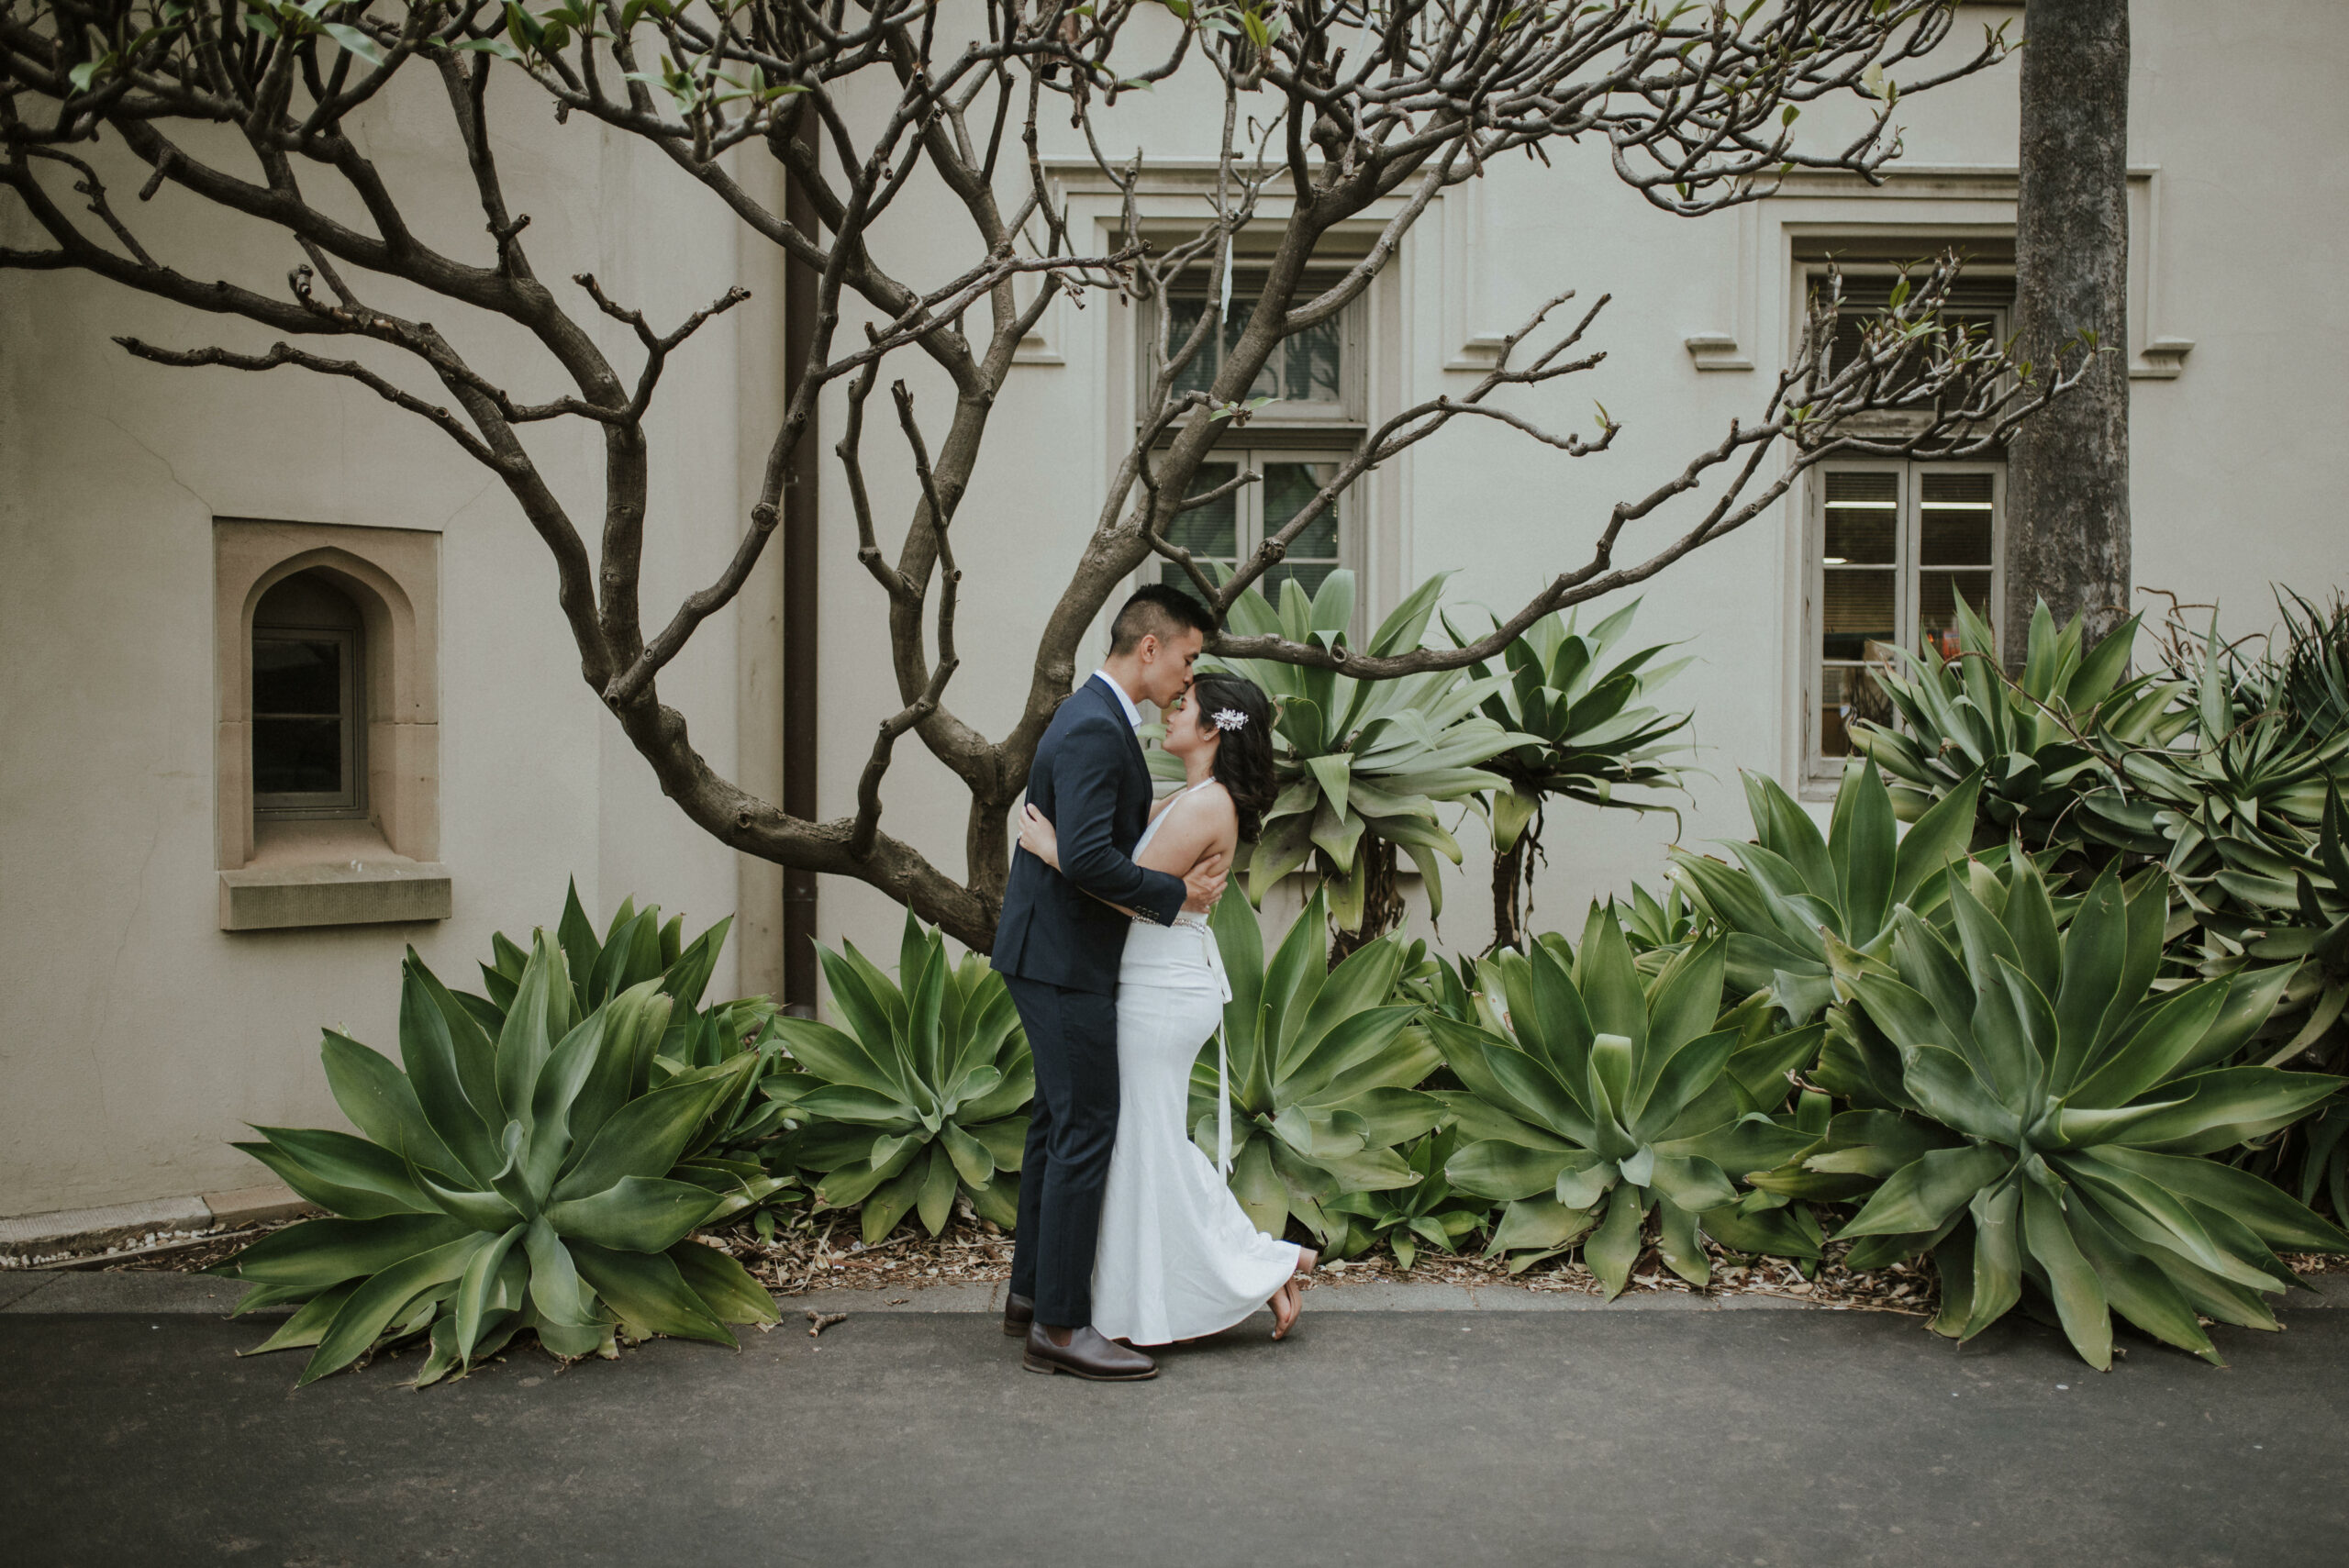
(1157, 609)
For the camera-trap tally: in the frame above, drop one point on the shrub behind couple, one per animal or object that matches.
(1128, 1236)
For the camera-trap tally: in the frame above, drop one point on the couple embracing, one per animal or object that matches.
(1128, 1236)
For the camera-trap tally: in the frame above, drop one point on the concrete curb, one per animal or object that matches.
(80, 1230)
(154, 1293)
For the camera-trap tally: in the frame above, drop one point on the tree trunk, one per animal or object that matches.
(1508, 880)
(2067, 477)
(1382, 905)
(1513, 883)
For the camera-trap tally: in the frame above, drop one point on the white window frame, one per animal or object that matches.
(1820, 772)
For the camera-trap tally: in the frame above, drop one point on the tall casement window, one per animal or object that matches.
(1890, 548)
(1295, 443)
(1893, 548)
(309, 736)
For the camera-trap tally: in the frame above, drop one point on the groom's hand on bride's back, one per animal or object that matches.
(1204, 882)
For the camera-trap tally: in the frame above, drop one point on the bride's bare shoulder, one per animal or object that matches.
(1212, 802)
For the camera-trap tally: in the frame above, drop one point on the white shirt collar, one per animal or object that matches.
(1133, 714)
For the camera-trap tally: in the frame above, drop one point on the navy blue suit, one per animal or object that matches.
(1058, 946)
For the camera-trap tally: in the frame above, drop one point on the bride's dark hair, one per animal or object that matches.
(1243, 761)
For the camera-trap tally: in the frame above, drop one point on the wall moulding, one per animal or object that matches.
(384, 866)
(1932, 203)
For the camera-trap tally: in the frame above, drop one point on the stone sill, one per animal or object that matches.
(383, 890)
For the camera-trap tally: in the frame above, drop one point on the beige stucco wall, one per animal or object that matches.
(2235, 461)
(136, 1038)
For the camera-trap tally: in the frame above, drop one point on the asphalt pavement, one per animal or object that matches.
(132, 1433)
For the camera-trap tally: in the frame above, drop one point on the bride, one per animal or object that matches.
(1178, 1257)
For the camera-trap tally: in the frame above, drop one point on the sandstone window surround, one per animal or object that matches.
(376, 865)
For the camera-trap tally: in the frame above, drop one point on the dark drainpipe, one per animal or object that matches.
(800, 596)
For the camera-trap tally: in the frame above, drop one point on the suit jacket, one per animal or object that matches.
(1090, 780)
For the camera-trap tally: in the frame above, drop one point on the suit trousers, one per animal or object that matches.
(1072, 1127)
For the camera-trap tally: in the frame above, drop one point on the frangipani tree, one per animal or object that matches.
(259, 113)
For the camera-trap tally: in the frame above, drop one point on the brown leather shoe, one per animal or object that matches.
(1086, 1354)
(1018, 1313)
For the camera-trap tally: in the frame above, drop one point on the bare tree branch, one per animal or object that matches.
(1336, 105)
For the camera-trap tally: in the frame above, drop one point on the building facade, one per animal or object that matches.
(290, 691)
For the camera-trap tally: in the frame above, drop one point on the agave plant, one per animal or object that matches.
(2232, 806)
(1794, 892)
(2028, 741)
(636, 947)
(921, 1093)
(1322, 1068)
(1658, 929)
(2313, 663)
(1594, 1097)
(2037, 1112)
(526, 1181)
(1584, 733)
(1363, 764)
(2299, 897)
(1430, 1212)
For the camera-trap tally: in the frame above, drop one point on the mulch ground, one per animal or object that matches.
(823, 1252)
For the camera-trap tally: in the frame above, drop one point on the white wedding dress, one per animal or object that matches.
(1178, 1256)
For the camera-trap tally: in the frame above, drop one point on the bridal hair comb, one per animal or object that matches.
(1231, 718)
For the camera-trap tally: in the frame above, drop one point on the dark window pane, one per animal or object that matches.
(1857, 609)
(1183, 316)
(1865, 489)
(296, 677)
(1848, 694)
(297, 756)
(1289, 488)
(1310, 361)
(1956, 519)
(1955, 538)
(1860, 535)
(1210, 531)
(1305, 367)
(1863, 518)
(1833, 739)
(1971, 490)
(1937, 595)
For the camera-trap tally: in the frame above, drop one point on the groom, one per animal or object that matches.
(1058, 946)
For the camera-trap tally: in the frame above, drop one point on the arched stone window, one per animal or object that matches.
(328, 757)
